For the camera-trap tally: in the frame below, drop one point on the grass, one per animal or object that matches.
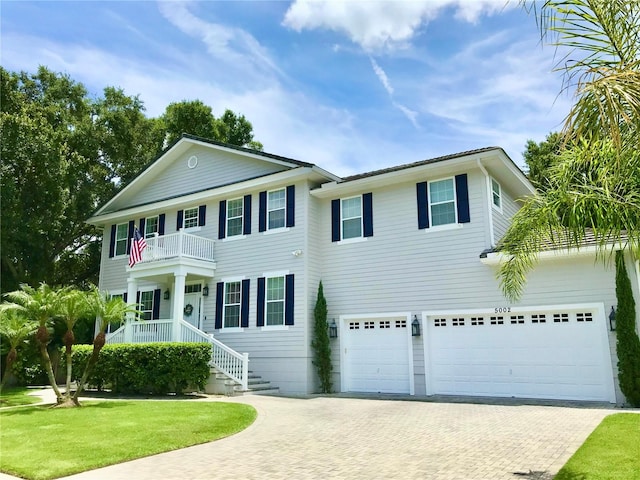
(41, 443)
(15, 396)
(612, 452)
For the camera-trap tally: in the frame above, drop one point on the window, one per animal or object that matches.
(234, 217)
(113, 326)
(190, 217)
(496, 194)
(351, 217)
(122, 232)
(151, 226)
(276, 208)
(232, 303)
(275, 301)
(442, 202)
(146, 305)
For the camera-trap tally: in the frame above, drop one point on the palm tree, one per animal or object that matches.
(595, 186)
(105, 309)
(72, 306)
(39, 305)
(15, 328)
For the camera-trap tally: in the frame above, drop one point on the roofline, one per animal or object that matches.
(193, 139)
(203, 195)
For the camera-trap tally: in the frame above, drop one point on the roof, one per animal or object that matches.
(419, 163)
(240, 149)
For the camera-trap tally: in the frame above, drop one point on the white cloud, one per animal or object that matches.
(376, 25)
(382, 76)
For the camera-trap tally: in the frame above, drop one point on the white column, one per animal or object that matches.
(178, 303)
(132, 292)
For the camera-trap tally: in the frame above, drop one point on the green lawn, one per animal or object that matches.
(42, 443)
(612, 452)
(11, 397)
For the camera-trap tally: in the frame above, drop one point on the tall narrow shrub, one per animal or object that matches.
(627, 338)
(320, 343)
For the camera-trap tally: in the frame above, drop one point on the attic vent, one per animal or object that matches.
(192, 162)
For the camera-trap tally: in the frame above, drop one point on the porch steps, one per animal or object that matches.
(219, 383)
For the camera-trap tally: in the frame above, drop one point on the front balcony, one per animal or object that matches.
(176, 246)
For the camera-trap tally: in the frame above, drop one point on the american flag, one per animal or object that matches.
(138, 245)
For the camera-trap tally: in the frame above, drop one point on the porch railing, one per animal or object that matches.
(178, 244)
(229, 362)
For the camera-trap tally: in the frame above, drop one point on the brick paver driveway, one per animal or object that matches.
(356, 438)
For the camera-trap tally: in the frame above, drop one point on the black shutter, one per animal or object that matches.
(288, 302)
(462, 198)
(291, 206)
(124, 296)
(222, 219)
(262, 214)
(246, 215)
(260, 305)
(335, 220)
(112, 243)
(202, 215)
(179, 221)
(141, 226)
(138, 298)
(219, 300)
(156, 304)
(367, 214)
(161, 224)
(130, 236)
(423, 205)
(244, 309)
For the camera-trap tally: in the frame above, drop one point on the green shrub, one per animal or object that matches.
(321, 343)
(156, 368)
(628, 344)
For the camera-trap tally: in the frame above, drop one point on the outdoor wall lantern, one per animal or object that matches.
(612, 319)
(415, 327)
(333, 329)
(205, 291)
(167, 295)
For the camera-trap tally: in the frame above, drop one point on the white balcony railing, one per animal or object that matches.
(178, 244)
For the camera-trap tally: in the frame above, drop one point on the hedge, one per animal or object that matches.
(156, 368)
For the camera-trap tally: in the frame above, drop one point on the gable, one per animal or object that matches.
(190, 170)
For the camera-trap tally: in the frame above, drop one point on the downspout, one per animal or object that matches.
(489, 207)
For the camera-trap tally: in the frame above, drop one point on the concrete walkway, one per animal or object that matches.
(357, 438)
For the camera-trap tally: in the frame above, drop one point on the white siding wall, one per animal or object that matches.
(501, 220)
(215, 168)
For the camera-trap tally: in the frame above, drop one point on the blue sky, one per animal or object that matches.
(352, 86)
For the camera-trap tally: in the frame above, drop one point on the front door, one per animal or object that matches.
(192, 299)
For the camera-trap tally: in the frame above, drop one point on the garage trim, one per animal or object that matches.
(344, 327)
(600, 318)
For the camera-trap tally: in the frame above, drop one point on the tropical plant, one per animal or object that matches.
(106, 310)
(72, 305)
(15, 328)
(594, 187)
(41, 306)
(320, 343)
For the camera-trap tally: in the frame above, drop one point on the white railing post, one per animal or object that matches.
(245, 371)
(180, 237)
(132, 292)
(178, 304)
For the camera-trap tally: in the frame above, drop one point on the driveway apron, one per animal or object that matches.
(355, 438)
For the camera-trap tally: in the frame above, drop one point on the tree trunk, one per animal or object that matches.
(46, 363)
(11, 358)
(69, 339)
(98, 343)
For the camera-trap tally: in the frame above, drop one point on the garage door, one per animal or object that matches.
(376, 355)
(556, 353)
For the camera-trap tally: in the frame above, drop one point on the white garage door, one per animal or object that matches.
(554, 353)
(376, 355)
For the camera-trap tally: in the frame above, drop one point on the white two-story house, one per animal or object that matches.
(238, 241)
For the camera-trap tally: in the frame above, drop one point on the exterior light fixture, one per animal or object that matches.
(415, 327)
(612, 319)
(205, 291)
(333, 329)
(167, 295)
